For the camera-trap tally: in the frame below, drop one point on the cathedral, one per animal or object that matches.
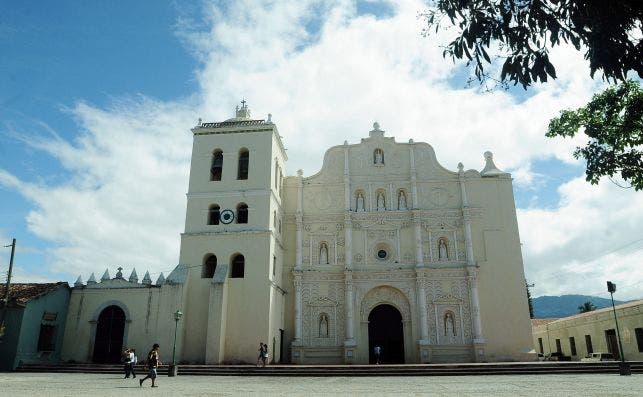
(382, 247)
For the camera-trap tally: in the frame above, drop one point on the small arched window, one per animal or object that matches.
(244, 161)
(276, 176)
(238, 265)
(209, 266)
(213, 214)
(242, 213)
(217, 165)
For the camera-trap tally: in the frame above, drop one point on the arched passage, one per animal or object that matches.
(386, 330)
(110, 329)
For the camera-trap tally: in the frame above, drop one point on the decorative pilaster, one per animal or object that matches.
(296, 351)
(298, 294)
(417, 224)
(472, 278)
(414, 188)
(347, 184)
(423, 343)
(348, 241)
(299, 218)
(466, 215)
(350, 346)
(472, 272)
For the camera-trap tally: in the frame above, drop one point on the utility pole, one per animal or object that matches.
(624, 368)
(5, 302)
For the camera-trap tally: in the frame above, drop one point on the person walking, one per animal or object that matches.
(377, 351)
(125, 359)
(260, 354)
(153, 361)
(264, 354)
(133, 360)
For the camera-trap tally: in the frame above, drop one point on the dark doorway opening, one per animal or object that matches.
(385, 329)
(281, 346)
(612, 343)
(110, 329)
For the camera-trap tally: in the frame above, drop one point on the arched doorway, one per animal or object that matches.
(385, 328)
(110, 329)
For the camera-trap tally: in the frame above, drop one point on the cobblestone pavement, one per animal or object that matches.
(52, 385)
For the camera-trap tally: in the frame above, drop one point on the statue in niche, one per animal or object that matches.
(360, 203)
(449, 327)
(381, 202)
(401, 200)
(323, 326)
(443, 250)
(378, 157)
(323, 254)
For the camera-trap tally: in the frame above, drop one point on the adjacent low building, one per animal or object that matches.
(34, 323)
(593, 332)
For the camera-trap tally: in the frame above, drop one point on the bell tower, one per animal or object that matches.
(232, 244)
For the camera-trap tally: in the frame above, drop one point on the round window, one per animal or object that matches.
(382, 254)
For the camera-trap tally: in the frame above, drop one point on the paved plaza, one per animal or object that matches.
(51, 385)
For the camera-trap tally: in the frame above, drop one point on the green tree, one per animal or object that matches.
(586, 307)
(607, 31)
(613, 121)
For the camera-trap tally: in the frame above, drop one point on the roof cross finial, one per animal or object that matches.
(243, 103)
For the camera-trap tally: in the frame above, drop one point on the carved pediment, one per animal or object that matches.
(447, 298)
(322, 301)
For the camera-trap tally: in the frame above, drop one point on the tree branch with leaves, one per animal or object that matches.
(608, 31)
(613, 121)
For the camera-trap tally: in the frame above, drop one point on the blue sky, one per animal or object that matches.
(80, 78)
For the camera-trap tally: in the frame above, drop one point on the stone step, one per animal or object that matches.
(353, 370)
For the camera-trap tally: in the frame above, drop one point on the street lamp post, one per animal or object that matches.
(174, 369)
(624, 368)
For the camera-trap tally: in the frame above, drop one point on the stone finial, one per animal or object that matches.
(376, 131)
(411, 140)
(105, 276)
(79, 282)
(460, 167)
(119, 273)
(345, 143)
(490, 168)
(91, 279)
(147, 280)
(161, 279)
(269, 121)
(133, 278)
(199, 122)
(300, 172)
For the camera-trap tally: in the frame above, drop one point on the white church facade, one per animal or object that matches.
(382, 247)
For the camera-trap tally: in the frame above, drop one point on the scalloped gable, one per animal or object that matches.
(396, 160)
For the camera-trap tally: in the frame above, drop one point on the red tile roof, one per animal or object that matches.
(24, 292)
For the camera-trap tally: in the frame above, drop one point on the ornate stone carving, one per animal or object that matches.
(385, 295)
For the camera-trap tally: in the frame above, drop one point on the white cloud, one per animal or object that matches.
(124, 202)
(593, 236)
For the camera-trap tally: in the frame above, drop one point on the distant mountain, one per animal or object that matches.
(565, 305)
